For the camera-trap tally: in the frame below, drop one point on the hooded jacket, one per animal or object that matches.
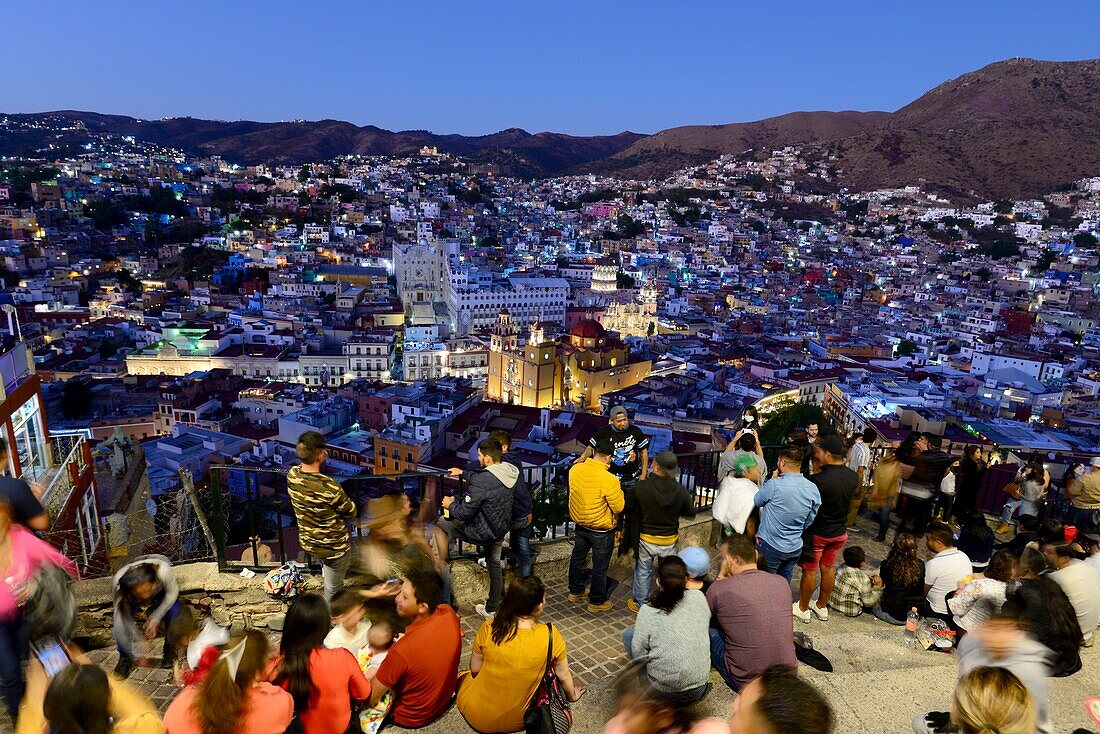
(1029, 661)
(485, 508)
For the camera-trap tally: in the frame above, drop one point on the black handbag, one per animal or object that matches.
(548, 712)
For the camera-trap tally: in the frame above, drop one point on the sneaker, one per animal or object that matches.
(597, 608)
(802, 616)
(482, 562)
(480, 609)
(821, 613)
(880, 538)
(575, 598)
(632, 606)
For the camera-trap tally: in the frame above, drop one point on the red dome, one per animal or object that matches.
(589, 329)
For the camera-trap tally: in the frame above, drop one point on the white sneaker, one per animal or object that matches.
(483, 563)
(802, 616)
(821, 613)
(480, 609)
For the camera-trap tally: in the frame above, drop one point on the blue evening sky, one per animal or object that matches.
(476, 67)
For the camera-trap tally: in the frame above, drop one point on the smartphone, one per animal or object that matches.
(52, 654)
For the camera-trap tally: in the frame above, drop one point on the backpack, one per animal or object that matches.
(284, 582)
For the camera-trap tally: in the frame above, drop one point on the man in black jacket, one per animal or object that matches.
(523, 518)
(658, 502)
(483, 513)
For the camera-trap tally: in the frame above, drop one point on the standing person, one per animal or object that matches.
(971, 473)
(595, 498)
(1032, 485)
(322, 681)
(752, 625)
(422, 667)
(859, 461)
(902, 575)
(22, 554)
(508, 661)
(943, 572)
(233, 697)
(659, 501)
(671, 635)
(826, 536)
(733, 507)
(923, 480)
(147, 583)
(1084, 496)
(788, 505)
(323, 511)
(812, 437)
(629, 449)
(483, 514)
(945, 500)
(885, 483)
(523, 518)
(23, 498)
(82, 699)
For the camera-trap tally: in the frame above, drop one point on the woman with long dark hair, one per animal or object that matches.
(971, 471)
(322, 682)
(672, 636)
(902, 576)
(81, 699)
(1046, 612)
(233, 698)
(508, 660)
(976, 540)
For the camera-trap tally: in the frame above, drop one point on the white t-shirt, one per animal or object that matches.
(947, 486)
(734, 502)
(943, 572)
(1082, 585)
(350, 641)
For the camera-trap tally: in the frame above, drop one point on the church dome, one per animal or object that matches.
(589, 329)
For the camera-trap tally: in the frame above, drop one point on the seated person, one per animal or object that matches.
(422, 667)
(943, 571)
(1081, 583)
(370, 657)
(349, 626)
(855, 589)
(753, 624)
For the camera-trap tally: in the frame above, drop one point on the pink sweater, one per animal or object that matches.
(28, 554)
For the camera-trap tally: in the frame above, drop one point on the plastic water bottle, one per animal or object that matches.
(912, 621)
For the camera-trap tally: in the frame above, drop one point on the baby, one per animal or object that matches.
(370, 657)
(349, 628)
(379, 641)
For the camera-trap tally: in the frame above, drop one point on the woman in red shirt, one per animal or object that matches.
(322, 682)
(233, 698)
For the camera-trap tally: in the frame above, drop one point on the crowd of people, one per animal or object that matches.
(382, 641)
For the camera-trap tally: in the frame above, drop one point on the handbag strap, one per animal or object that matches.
(549, 644)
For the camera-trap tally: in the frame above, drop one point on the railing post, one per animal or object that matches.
(219, 518)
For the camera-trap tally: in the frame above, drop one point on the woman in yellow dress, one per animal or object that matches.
(508, 661)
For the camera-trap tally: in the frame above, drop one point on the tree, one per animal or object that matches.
(1044, 261)
(652, 328)
(304, 174)
(984, 274)
(791, 415)
(1085, 240)
(624, 280)
(76, 399)
(906, 348)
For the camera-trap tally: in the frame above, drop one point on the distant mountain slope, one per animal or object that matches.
(1015, 128)
(1012, 129)
(660, 154)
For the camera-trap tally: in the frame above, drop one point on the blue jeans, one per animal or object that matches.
(520, 542)
(1026, 507)
(13, 651)
(628, 641)
(643, 568)
(718, 659)
(601, 544)
(881, 613)
(778, 562)
(496, 573)
(1082, 518)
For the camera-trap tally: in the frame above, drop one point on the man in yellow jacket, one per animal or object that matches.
(595, 498)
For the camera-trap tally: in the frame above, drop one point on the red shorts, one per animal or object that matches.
(823, 552)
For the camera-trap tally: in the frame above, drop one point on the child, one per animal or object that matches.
(855, 589)
(370, 657)
(349, 629)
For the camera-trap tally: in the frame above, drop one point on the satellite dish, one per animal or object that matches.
(151, 507)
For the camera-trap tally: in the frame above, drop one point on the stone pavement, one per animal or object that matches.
(877, 686)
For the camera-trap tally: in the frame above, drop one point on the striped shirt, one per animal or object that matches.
(322, 510)
(860, 455)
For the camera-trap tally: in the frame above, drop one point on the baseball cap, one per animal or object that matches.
(696, 559)
(667, 461)
(832, 444)
(617, 411)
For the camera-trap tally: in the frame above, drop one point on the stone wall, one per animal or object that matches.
(234, 600)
